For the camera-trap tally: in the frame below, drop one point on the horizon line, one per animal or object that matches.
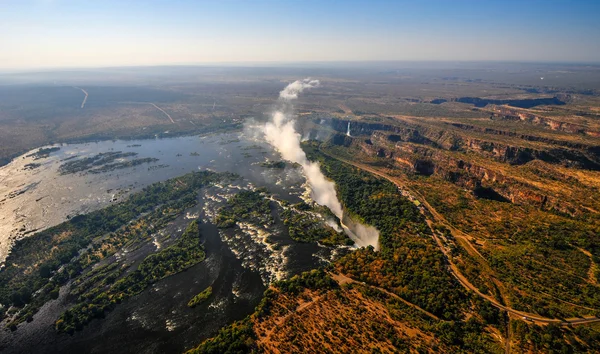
(250, 64)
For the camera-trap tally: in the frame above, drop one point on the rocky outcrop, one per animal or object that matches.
(342, 140)
(483, 181)
(402, 133)
(517, 155)
(506, 113)
(566, 153)
(457, 153)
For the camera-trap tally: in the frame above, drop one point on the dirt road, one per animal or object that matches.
(85, 93)
(454, 269)
(343, 279)
(162, 110)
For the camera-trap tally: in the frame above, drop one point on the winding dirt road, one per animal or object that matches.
(344, 279)
(85, 93)
(454, 269)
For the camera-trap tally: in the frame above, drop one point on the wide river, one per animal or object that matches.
(33, 199)
(238, 266)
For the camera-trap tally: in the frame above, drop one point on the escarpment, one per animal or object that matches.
(461, 159)
(486, 144)
(506, 113)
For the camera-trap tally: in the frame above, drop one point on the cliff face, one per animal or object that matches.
(406, 133)
(427, 151)
(342, 140)
(517, 155)
(566, 153)
(505, 113)
(527, 137)
(426, 161)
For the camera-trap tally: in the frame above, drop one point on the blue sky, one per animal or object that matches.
(70, 33)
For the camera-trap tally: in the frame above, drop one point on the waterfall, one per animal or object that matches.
(348, 131)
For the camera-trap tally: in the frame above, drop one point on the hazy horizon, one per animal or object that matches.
(300, 64)
(52, 34)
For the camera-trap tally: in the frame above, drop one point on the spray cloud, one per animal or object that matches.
(281, 133)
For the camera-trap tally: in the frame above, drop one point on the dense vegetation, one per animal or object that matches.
(554, 339)
(103, 162)
(31, 166)
(48, 259)
(86, 163)
(409, 263)
(316, 279)
(122, 164)
(186, 252)
(200, 297)
(547, 260)
(273, 164)
(238, 338)
(348, 315)
(249, 206)
(43, 152)
(306, 224)
(539, 258)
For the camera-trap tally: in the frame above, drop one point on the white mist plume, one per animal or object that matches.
(291, 91)
(281, 133)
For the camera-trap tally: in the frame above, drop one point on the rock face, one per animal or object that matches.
(558, 152)
(506, 113)
(428, 151)
(342, 140)
(426, 161)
